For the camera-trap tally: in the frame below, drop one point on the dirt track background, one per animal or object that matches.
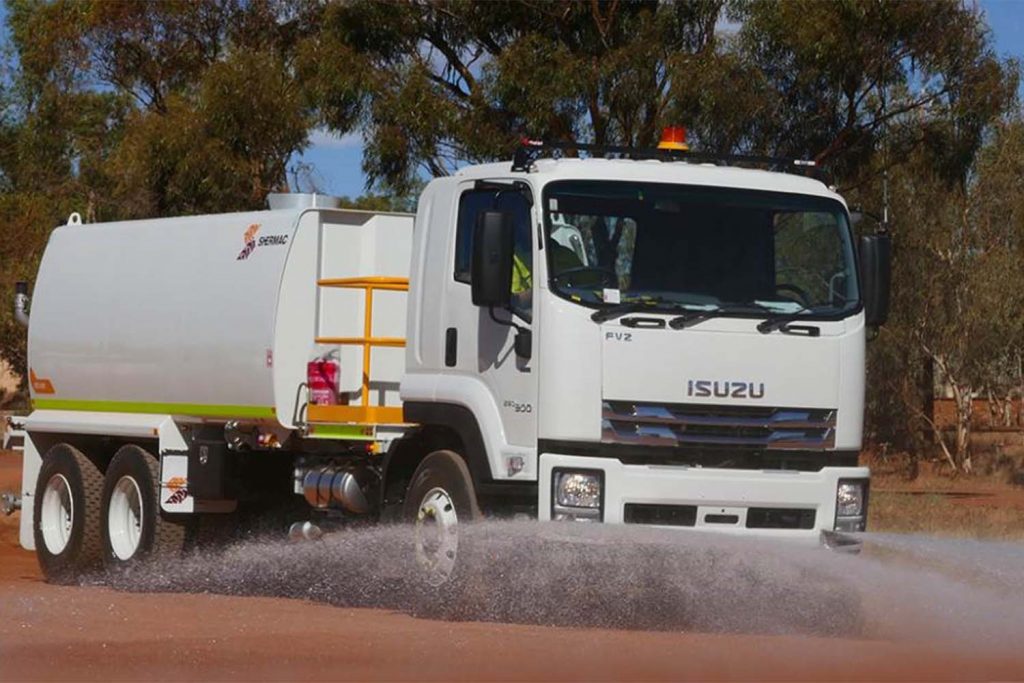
(98, 633)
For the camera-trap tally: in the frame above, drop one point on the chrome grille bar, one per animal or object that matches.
(673, 424)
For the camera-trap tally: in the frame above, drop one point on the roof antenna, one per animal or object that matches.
(884, 227)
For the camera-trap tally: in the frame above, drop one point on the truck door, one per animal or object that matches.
(485, 348)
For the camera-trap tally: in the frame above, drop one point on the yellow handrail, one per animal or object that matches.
(372, 341)
(376, 281)
(365, 412)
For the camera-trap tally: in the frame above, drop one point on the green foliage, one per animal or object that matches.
(835, 76)
(957, 308)
(436, 83)
(26, 222)
(223, 149)
(386, 202)
(120, 109)
(447, 82)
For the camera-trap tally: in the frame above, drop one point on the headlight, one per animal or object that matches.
(578, 489)
(851, 505)
(577, 495)
(850, 499)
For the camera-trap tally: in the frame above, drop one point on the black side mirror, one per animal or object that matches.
(875, 277)
(491, 267)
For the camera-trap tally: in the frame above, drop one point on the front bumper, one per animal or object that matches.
(725, 501)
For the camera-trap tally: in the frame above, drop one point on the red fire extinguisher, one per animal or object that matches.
(322, 377)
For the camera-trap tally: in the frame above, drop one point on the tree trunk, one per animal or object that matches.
(1020, 394)
(963, 399)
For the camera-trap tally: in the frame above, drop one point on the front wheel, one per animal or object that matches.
(440, 499)
(133, 526)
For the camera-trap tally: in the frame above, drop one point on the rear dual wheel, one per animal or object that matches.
(66, 515)
(133, 527)
(84, 520)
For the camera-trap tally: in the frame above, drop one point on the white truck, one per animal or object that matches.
(660, 340)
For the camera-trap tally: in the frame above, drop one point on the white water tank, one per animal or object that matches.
(211, 316)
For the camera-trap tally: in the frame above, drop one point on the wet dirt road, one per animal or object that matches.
(100, 633)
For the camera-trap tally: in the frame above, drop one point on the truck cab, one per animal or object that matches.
(676, 344)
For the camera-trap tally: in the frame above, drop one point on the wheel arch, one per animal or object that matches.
(446, 426)
(450, 426)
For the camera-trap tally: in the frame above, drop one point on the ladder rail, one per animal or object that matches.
(364, 412)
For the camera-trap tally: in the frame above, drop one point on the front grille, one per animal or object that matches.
(681, 424)
(666, 515)
(686, 515)
(780, 518)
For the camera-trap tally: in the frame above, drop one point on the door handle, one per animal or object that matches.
(451, 347)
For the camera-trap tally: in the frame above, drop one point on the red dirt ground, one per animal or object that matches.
(78, 633)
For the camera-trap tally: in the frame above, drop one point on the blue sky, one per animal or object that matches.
(337, 161)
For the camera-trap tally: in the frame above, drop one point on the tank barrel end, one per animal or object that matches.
(10, 503)
(21, 302)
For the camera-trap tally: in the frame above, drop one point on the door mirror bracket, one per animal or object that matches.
(524, 336)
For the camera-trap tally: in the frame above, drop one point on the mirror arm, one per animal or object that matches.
(524, 336)
(881, 221)
(506, 323)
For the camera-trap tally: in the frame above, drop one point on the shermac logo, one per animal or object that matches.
(251, 241)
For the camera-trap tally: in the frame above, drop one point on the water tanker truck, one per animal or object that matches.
(655, 339)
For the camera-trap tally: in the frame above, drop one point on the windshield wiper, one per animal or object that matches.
(689, 317)
(782, 322)
(697, 316)
(618, 310)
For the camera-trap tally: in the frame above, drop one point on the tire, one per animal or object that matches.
(133, 527)
(439, 499)
(66, 515)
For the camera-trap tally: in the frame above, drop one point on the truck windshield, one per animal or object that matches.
(700, 248)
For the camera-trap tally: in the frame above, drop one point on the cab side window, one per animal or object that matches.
(471, 204)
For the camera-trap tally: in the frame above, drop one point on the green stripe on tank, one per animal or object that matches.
(197, 409)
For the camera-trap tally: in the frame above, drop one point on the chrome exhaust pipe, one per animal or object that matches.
(304, 531)
(21, 302)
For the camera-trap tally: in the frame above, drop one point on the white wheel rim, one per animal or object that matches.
(437, 536)
(124, 518)
(57, 514)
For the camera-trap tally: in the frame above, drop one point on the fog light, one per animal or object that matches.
(851, 505)
(577, 495)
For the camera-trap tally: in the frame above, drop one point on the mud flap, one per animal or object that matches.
(174, 494)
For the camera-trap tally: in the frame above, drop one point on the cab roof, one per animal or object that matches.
(543, 171)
